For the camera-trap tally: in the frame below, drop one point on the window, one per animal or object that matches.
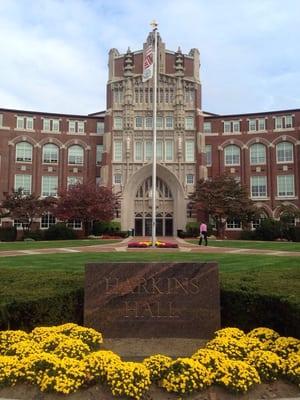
(49, 186)
(23, 152)
(261, 124)
(100, 127)
(118, 123)
(20, 123)
(169, 122)
(257, 154)
(257, 222)
(76, 126)
(189, 123)
(24, 182)
(75, 155)
(159, 150)
(284, 152)
(139, 122)
(148, 123)
(189, 151)
(233, 223)
(47, 220)
(278, 122)
(1, 120)
(252, 125)
(117, 179)
(236, 126)
(75, 224)
(208, 154)
(159, 123)
(288, 121)
(148, 150)
(118, 150)
(207, 127)
(19, 224)
(227, 126)
(25, 123)
(189, 179)
(232, 155)
(258, 186)
(99, 153)
(285, 185)
(169, 153)
(50, 125)
(138, 151)
(73, 181)
(50, 154)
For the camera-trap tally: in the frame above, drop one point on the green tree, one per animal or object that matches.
(223, 198)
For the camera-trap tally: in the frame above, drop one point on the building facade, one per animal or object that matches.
(45, 152)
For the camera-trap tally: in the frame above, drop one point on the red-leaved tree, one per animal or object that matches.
(87, 202)
(223, 198)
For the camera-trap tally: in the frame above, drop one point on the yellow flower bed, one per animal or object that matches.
(68, 357)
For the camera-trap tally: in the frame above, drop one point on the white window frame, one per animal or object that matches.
(29, 123)
(118, 151)
(261, 182)
(159, 122)
(279, 122)
(78, 158)
(49, 186)
(169, 150)
(73, 181)
(236, 126)
(207, 127)
(148, 151)
(50, 159)
(189, 179)
(26, 184)
(288, 125)
(159, 150)
(75, 224)
(117, 179)
(20, 122)
(189, 123)
(118, 123)
(46, 124)
(1, 125)
(252, 125)
(260, 122)
(148, 123)
(232, 163)
(169, 122)
(99, 153)
(282, 181)
(24, 156)
(255, 158)
(233, 224)
(100, 127)
(80, 126)
(189, 151)
(227, 127)
(285, 160)
(138, 151)
(139, 122)
(47, 220)
(72, 126)
(208, 153)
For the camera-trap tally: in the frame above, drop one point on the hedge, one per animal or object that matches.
(245, 310)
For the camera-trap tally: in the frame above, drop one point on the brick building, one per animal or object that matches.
(45, 152)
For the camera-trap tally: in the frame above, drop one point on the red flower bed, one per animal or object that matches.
(145, 244)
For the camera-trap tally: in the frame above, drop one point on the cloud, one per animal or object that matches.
(54, 53)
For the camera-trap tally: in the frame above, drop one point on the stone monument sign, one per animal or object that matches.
(152, 300)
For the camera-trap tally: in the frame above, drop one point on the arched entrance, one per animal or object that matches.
(143, 209)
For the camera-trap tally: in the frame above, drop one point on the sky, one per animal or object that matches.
(54, 53)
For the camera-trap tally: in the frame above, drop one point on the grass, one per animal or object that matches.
(21, 276)
(250, 244)
(54, 244)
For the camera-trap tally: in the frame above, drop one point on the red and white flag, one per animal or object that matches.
(148, 64)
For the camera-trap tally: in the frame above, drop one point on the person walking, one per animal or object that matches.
(203, 233)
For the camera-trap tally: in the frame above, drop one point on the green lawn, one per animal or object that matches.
(54, 244)
(49, 288)
(250, 244)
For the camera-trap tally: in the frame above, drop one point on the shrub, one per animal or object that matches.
(9, 371)
(264, 334)
(102, 227)
(59, 232)
(98, 363)
(284, 346)
(211, 359)
(192, 229)
(158, 365)
(267, 364)
(248, 235)
(8, 234)
(291, 368)
(269, 229)
(294, 233)
(35, 235)
(186, 375)
(9, 338)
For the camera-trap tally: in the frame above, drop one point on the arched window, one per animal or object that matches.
(50, 154)
(24, 152)
(75, 155)
(257, 154)
(258, 220)
(284, 152)
(232, 155)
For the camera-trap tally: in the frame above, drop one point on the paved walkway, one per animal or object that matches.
(121, 246)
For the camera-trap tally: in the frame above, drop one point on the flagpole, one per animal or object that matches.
(154, 26)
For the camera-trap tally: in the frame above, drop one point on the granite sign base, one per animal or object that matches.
(152, 300)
